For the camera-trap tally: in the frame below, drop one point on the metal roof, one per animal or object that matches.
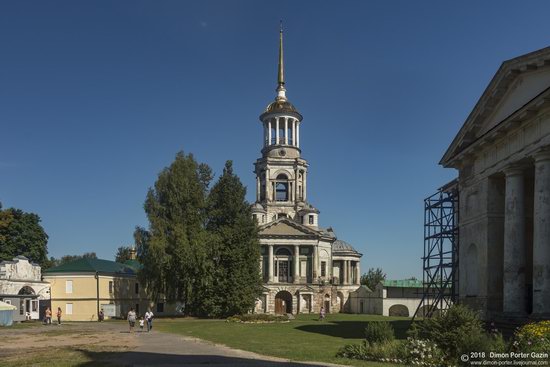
(343, 246)
(87, 265)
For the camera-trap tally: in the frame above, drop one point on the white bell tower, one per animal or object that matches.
(281, 173)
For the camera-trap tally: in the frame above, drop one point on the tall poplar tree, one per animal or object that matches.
(173, 250)
(233, 247)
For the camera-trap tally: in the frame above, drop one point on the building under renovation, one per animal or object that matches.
(502, 154)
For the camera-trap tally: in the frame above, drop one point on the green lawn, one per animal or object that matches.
(303, 339)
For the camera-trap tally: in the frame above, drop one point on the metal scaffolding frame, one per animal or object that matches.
(440, 260)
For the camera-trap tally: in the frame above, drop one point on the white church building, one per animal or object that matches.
(304, 267)
(502, 154)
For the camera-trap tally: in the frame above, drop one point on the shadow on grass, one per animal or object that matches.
(353, 329)
(135, 358)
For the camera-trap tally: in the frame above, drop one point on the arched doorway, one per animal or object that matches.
(327, 303)
(398, 310)
(340, 300)
(28, 304)
(283, 302)
(26, 290)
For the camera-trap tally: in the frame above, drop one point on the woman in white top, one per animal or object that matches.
(149, 318)
(131, 319)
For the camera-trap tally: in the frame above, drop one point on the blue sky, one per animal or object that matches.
(96, 97)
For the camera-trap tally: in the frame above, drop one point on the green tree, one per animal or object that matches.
(234, 248)
(373, 277)
(22, 234)
(173, 249)
(52, 261)
(123, 253)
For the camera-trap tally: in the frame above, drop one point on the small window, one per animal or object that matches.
(136, 287)
(323, 268)
(160, 307)
(68, 309)
(110, 287)
(311, 219)
(68, 286)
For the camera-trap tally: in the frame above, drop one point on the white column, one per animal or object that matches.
(286, 130)
(293, 132)
(304, 188)
(267, 186)
(358, 272)
(277, 131)
(541, 235)
(315, 263)
(257, 188)
(297, 134)
(514, 243)
(269, 132)
(296, 193)
(270, 263)
(296, 263)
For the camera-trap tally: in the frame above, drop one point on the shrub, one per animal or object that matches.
(423, 353)
(258, 318)
(456, 331)
(379, 332)
(533, 337)
(389, 351)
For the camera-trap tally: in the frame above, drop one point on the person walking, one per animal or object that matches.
(131, 319)
(101, 316)
(48, 316)
(149, 319)
(59, 313)
(322, 314)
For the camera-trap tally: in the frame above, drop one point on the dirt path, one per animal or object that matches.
(163, 349)
(111, 342)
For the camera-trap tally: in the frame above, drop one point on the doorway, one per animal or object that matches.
(283, 302)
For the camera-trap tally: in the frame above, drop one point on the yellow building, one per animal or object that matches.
(83, 287)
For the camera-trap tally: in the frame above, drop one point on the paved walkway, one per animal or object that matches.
(163, 349)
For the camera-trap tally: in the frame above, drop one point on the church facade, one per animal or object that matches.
(304, 267)
(502, 154)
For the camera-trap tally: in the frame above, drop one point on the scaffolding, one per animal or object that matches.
(440, 260)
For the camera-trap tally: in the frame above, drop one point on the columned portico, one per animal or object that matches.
(541, 234)
(514, 242)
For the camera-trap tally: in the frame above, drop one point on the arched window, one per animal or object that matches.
(281, 188)
(283, 252)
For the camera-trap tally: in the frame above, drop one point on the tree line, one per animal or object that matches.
(201, 246)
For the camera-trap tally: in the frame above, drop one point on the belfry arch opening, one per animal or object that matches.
(281, 188)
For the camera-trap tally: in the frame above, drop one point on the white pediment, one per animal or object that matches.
(516, 84)
(284, 227)
(526, 87)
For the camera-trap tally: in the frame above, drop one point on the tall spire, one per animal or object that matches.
(281, 95)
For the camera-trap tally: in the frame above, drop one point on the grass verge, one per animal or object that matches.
(303, 339)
